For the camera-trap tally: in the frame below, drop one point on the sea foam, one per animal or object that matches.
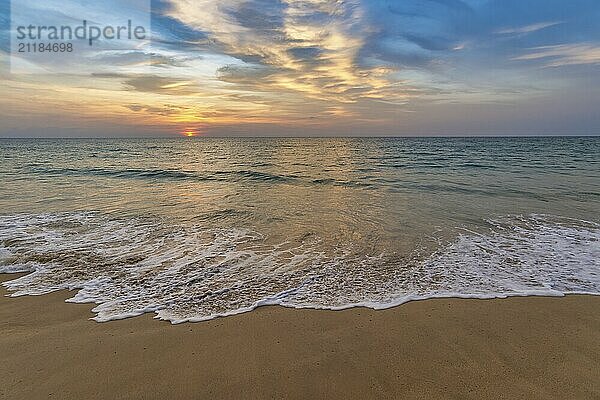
(131, 266)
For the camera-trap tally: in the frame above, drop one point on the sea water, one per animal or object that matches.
(192, 229)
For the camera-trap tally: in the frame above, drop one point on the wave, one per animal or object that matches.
(360, 179)
(117, 173)
(131, 266)
(163, 174)
(176, 175)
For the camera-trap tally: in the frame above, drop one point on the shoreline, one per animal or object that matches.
(372, 306)
(520, 347)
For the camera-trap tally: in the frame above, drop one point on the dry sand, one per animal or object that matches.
(519, 348)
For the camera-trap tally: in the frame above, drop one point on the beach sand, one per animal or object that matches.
(518, 348)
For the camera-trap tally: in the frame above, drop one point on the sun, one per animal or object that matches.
(190, 132)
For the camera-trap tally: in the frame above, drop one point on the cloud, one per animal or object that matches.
(563, 55)
(528, 28)
(166, 110)
(308, 46)
(245, 74)
(160, 85)
(152, 83)
(135, 58)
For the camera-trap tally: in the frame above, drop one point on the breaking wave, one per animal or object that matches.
(131, 266)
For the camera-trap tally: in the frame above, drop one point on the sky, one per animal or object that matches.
(315, 68)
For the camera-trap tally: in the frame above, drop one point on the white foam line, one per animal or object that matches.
(278, 300)
(370, 305)
(186, 274)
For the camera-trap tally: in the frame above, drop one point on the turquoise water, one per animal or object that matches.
(195, 228)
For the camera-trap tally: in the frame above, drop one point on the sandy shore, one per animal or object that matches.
(520, 348)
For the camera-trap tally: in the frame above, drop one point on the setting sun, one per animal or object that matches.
(190, 132)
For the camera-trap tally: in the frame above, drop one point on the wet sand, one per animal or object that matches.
(518, 348)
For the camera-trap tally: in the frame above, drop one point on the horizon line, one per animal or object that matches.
(197, 137)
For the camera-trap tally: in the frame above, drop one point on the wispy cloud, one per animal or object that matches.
(527, 28)
(310, 47)
(563, 55)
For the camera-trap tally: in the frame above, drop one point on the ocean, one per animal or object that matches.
(196, 228)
